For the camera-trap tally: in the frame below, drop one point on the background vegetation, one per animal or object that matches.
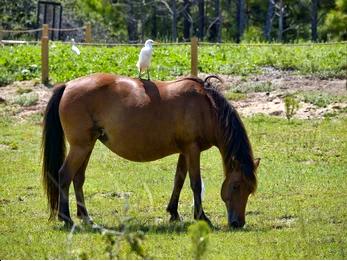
(171, 20)
(168, 62)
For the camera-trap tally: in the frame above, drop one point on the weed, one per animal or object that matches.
(21, 90)
(235, 96)
(253, 87)
(321, 99)
(26, 99)
(199, 234)
(291, 106)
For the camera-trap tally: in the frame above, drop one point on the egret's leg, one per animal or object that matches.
(148, 78)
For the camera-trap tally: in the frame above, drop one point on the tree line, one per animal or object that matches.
(209, 20)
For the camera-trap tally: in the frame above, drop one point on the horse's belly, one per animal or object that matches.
(141, 149)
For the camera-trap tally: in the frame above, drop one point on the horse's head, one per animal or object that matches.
(235, 191)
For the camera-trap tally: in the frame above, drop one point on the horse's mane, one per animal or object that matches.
(236, 145)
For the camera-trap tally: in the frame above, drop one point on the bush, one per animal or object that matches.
(253, 34)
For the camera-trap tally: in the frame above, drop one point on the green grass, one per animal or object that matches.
(235, 96)
(26, 99)
(321, 99)
(253, 87)
(23, 62)
(298, 212)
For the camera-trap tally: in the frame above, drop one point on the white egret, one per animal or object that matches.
(145, 58)
(202, 193)
(202, 190)
(74, 48)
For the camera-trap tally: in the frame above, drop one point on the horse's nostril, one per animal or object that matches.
(235, 224)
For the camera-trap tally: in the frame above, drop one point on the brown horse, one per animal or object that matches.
(144, 121)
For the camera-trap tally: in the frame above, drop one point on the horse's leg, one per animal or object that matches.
(78, 182)
(193, 157)
(181, 173)
(73, 162)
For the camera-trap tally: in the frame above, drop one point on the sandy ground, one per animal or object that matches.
(270, 102)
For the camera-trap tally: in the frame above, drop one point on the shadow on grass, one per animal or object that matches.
(134, 226)
(151, 228)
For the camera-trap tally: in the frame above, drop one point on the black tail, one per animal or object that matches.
(53, 149)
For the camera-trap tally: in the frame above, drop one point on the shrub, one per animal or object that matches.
(291, 106)
(199, 234)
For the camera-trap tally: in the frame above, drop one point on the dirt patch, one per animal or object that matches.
(265, 94)
(260, 94)
(10, 96)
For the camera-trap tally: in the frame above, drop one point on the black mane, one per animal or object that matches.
(235, 145)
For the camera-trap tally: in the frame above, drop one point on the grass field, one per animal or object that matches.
(171, 61)
(298, 212)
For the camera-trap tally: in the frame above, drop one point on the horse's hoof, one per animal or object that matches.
(87, 221)
(206, 219)
(175, 218)
(68, 224)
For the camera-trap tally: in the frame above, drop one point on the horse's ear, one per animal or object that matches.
(257, 162)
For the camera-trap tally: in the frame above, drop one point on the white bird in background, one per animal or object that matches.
(74, 47)
(202, 193)
(202, 190)
(145, 58)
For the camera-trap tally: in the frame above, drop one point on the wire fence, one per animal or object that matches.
(88, 42)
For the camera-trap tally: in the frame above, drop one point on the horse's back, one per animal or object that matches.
(138, 120)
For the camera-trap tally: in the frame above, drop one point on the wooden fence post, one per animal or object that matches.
(194, 56)
(44, 55)
(88, 33)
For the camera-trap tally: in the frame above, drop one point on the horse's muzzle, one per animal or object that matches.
(234, 221)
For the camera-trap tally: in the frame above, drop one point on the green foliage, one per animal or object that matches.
(291, 106)
(253, 34)
(168, 62)
(321, 99)
(253, 87)
(26, 99)
(18, 15)
(21, 90)
(235, 96)
(199, 234)
(335, 22)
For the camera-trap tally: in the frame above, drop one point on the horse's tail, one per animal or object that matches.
(53, 149)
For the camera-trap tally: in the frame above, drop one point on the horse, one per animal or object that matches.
(142, 120)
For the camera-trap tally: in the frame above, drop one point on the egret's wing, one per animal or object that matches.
(145, 57)
(202, 190)
(76, 50)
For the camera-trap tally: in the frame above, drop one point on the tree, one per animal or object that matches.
(174, 20)
(269, 17)
(215, 26)
(281, 11)
(314, 20)
(335, 23)
(240, 19)
(187, 20)
(201, 6)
